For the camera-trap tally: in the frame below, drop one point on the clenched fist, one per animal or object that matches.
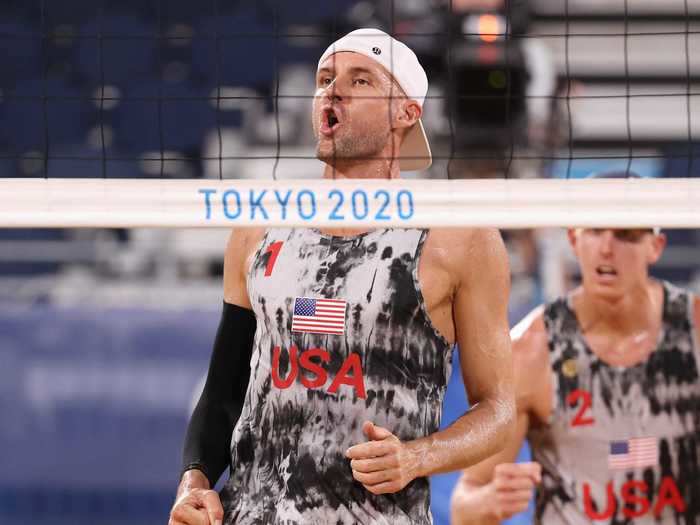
(197, 507)
(384, 464)
(511, 488)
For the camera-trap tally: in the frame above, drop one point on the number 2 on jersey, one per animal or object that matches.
(274, 251)
(581, 418)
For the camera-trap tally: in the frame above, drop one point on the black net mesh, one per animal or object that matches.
(224, 89)
(95, 398)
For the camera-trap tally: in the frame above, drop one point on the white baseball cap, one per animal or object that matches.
(402, 63)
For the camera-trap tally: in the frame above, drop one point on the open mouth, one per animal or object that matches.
(329, 121)
(332, 119)
(606, 270)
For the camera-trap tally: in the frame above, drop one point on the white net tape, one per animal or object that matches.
(515, 203)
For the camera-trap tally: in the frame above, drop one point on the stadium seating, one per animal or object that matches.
(157, 115)
(115, 49)
(46, 113)
(21, 57)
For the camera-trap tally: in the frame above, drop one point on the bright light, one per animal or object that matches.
(489, 28)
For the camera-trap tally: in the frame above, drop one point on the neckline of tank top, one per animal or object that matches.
(661, 336)
(347, 238)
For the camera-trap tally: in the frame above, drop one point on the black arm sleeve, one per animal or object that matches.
(208, 435)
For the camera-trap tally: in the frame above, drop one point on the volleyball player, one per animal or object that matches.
(608, 395)
(334, 348)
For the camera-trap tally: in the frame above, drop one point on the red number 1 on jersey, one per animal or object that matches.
(274, 251)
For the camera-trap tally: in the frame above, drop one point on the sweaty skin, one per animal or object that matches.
(619, 309)
(463, 274)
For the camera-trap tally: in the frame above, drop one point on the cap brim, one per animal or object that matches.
(415, 151)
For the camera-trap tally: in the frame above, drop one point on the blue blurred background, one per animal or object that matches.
(105, 334)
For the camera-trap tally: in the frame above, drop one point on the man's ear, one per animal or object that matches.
(657, 248)
(408, 113)
(572, 234)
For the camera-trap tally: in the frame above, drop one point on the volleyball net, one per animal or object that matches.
(160, 115)
(198, 119)
(667, 203)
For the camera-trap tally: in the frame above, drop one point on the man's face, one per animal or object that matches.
(354, 108)
(615, 261)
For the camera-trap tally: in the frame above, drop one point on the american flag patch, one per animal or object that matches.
(633, 453)
(319, 316)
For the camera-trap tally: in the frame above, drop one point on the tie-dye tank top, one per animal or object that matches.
(342, 337)
(623, 444)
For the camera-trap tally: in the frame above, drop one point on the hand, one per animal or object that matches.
(383, 464)
(511, 488)
(197, 507)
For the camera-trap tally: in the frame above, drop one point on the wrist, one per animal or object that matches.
(419, 450)
(472, 504)
(193, 479)
(482, 503)
(488, 512)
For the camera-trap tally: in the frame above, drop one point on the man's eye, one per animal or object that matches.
(631, 235)
(361, 81)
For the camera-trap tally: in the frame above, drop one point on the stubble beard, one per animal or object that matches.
(357, 148)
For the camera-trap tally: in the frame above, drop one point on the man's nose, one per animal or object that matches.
(333, 92)
(607, 239)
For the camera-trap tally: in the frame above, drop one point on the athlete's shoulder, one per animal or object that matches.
(532, 323)
(242, 244)
(242, 240)
(464, 239)
(532, 364)
(695, 303)
(529, 337)
(465, 250)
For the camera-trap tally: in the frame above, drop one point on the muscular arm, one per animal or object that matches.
(474, 269)
(473, 500)
(495, 488)
(208, 437)
(480, 316)
(206, 451)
